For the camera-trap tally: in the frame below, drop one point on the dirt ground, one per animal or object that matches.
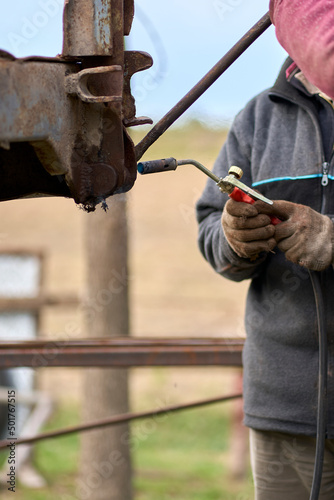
(173, 290)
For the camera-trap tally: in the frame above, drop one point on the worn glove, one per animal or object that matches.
(247, 231)
(304, 235)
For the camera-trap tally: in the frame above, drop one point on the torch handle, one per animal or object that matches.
(239, 195)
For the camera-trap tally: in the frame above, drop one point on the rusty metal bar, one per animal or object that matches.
(225, 62)
(88, 28)
(122, 352)
(117, 419)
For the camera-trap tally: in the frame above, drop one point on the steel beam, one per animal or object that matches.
(122, 352)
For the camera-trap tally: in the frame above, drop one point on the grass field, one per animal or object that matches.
(173, 293)
(184, 458)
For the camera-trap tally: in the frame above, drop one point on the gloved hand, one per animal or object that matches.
(247, 231)
(304, 235)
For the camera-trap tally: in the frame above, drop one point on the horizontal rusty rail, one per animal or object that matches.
(122, 352)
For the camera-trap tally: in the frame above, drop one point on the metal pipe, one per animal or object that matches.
(122, 352)
(118, 419)
(201, 167)
(225, 62)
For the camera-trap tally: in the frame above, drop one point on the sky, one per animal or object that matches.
(185, 38)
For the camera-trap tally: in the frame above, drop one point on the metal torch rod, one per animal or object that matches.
(225, 62)
(201, 167)
(226, 184)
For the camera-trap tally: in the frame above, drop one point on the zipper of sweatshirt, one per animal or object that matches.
(326, 164)
(323, 162)
(325, 170)
(325, 174)
(324, 183)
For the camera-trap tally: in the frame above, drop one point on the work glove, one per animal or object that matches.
(247, 231)
(304, 235)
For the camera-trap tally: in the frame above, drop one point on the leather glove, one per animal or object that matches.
(247, 231)
(304, 235)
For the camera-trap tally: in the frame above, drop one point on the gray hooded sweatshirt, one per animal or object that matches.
(283, 141)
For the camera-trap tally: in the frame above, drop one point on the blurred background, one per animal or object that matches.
(173, 291)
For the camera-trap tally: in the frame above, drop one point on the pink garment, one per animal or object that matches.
(305, 29)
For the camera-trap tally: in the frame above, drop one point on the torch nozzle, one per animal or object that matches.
(151, 167)
(226, 184)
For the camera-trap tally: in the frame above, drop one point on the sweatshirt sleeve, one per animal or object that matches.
(209, 208)
(305, 29)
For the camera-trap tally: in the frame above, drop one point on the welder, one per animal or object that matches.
(306, 31)
(283, 141)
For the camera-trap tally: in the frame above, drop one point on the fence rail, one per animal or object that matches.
(122, 352)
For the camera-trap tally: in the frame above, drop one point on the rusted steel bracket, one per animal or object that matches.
(63, 119)
(122, 352)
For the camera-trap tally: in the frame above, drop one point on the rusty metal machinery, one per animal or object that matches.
(63, 119)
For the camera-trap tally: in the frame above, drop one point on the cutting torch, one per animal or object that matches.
(230, 184)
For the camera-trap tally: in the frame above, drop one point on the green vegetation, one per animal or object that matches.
(55, 459)
(187, 458)
(183, 456)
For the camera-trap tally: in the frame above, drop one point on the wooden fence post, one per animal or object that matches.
(105, 470)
